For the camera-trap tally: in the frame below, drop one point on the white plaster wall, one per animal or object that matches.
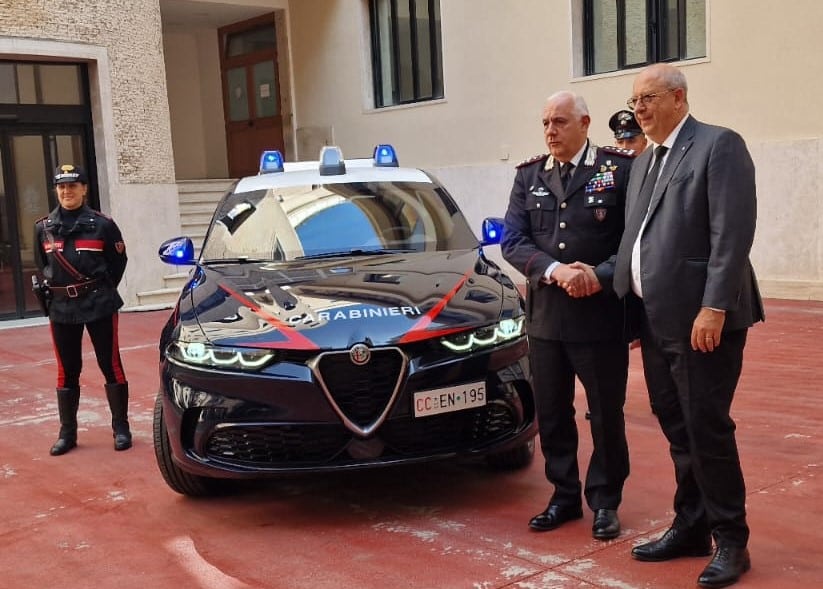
(186, 105)
(481, 192)
(788, 247)
(147, 216)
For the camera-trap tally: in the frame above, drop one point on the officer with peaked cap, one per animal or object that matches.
(627, 132)
(81, 254)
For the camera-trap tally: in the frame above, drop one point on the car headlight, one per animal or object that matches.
(485, 337)
(222, 357)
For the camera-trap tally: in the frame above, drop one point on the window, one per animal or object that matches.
(622, 34)
(407, 61)
(41, 83)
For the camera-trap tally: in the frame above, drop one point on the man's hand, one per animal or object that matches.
(592, 283)
(577, 279)
(707, 329)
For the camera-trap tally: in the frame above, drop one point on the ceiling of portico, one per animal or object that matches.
(183, 14)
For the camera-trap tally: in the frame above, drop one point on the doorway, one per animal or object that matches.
(251, 92)
(45, 121)
(27, 162)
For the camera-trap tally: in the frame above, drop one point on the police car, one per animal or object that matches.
(340, 314)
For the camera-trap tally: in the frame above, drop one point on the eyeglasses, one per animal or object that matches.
(645, 99)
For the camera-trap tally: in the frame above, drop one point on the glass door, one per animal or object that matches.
(27, 161)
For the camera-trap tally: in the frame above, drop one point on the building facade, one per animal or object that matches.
(163, 100)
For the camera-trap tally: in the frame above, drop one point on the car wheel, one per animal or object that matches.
(179, 480)
(517, 457)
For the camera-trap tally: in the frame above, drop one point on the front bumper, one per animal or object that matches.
(292, 418)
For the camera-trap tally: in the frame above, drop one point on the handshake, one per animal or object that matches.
(577, 279)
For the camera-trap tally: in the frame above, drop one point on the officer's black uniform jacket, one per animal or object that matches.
(94, 246)
(544, 224)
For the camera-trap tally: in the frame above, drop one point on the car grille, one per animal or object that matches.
(307, 445)
(264, 444)
(362, 393)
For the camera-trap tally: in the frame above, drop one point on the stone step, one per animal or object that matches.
(187, 218)
(203, 207)
(200, 194)
(175, 280)
(161, 298)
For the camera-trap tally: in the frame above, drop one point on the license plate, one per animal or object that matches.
(445, 400)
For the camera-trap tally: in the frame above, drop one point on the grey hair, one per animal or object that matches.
(580, 106)
(674, 78)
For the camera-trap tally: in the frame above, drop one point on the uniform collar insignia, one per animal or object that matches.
(591, 155)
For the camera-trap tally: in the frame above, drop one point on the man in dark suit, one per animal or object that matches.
(565, 217)
(684, 261)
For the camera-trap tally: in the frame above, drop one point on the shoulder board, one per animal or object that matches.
(531, 160)
(97, 213)
(619, 151)
(41, 219)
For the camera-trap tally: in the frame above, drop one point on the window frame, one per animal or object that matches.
(435, 61)
(657, 25)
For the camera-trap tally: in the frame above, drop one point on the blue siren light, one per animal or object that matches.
(385, 156)
(271, 161)
(331, 161)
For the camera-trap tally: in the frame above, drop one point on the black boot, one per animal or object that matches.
(118, 396)
(68, 401)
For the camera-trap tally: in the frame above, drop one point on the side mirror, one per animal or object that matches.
(492, 230)
(178, 251)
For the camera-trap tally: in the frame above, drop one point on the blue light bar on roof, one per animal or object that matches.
(331, 161)
(385, 156)
(271, 161)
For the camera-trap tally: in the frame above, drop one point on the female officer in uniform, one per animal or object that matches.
(81, 254)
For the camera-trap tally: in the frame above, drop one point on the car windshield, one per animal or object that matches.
(363, 218)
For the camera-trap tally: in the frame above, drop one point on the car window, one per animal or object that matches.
(283, 224)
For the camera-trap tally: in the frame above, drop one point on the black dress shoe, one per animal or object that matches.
(674, 544)
(554, 516)
(726, 568)
(606, 525)
(122, 441)
(63, 445)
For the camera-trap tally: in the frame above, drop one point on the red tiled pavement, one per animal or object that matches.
(99, 519)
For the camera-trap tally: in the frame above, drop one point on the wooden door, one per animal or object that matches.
(251, 93)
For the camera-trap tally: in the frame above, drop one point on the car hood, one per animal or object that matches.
(333, 304)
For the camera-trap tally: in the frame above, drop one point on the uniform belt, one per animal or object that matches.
(72, 291)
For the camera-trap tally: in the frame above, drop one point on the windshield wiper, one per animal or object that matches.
(354, 252)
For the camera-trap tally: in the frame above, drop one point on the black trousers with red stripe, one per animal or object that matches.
(68, 347)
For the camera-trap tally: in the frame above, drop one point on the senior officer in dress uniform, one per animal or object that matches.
(565, 212)
(82, 256)
(627, 131)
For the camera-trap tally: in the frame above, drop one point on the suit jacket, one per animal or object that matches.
(694, 249)
(545, 223)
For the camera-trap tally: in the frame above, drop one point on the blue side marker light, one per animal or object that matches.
(385, 156)
(271, 161)
(492, 230)
(177, 251)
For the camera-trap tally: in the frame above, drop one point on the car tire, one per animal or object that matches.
(514, 458)
(179, 480)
